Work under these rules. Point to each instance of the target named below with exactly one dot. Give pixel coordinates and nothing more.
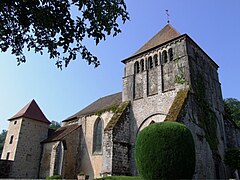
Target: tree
(54, 125)
(232, 110)
(50, 26)
(2, 140)
(232, 159)
(165, 151)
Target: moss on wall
(117, 115)
(108, 109)
(206, 116)
(177, 105)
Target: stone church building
(170, 78)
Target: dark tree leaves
(54, 125)
(2, 140)
(50, 26)
(232, 110)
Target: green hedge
(54, 177)
(165, 151)
(120, 178)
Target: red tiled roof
(164, 35)
(61, 133)
(31, 111)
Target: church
(170, 78)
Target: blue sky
(214, 25)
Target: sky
(213, 24)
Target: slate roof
(62, 132)
(31, 111)
(166, 34)
(100, 104)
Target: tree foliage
(165, 151)
(232, 110)
(58, 27)
(232, 158)
(54, 125)
(2, 140)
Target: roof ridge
(31, 111)
(167, 33)
(97, 105)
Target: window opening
(142, 65)
(164, 56)
(150, 62)
(170, 54)
(136, 67)
(155, 60)
(97, 136)
(11, 140)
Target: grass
(120, 178)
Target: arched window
(142, 65)
(155, 57)
(160, 58)
(164, 56)
(97, 136)
(150, 62)
(136, 67)
(170, 54)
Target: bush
(54, 177)
(165, 151)
(232, 158)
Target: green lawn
(120, 178)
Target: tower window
(170, 54)
(164, 56)
(97, 136)
(11, 140)
(155, 57)
(160, 58)
(150, 62)
(7, 157)
(142, 65)
(136, 67)
(15, 122)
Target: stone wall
(5, 168)
(121, 146)
(27, 135)
(13, 131)
(46, 165)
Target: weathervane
(168, 15)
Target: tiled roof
(164, 35)
(61, 133)
(100, 104)
(31, 111)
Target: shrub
(165, 151)
(232, 158)
(54, 177)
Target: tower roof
(166, 34)
(31, 111)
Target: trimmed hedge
(54, 177)
(165, 151)
(120, 178)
